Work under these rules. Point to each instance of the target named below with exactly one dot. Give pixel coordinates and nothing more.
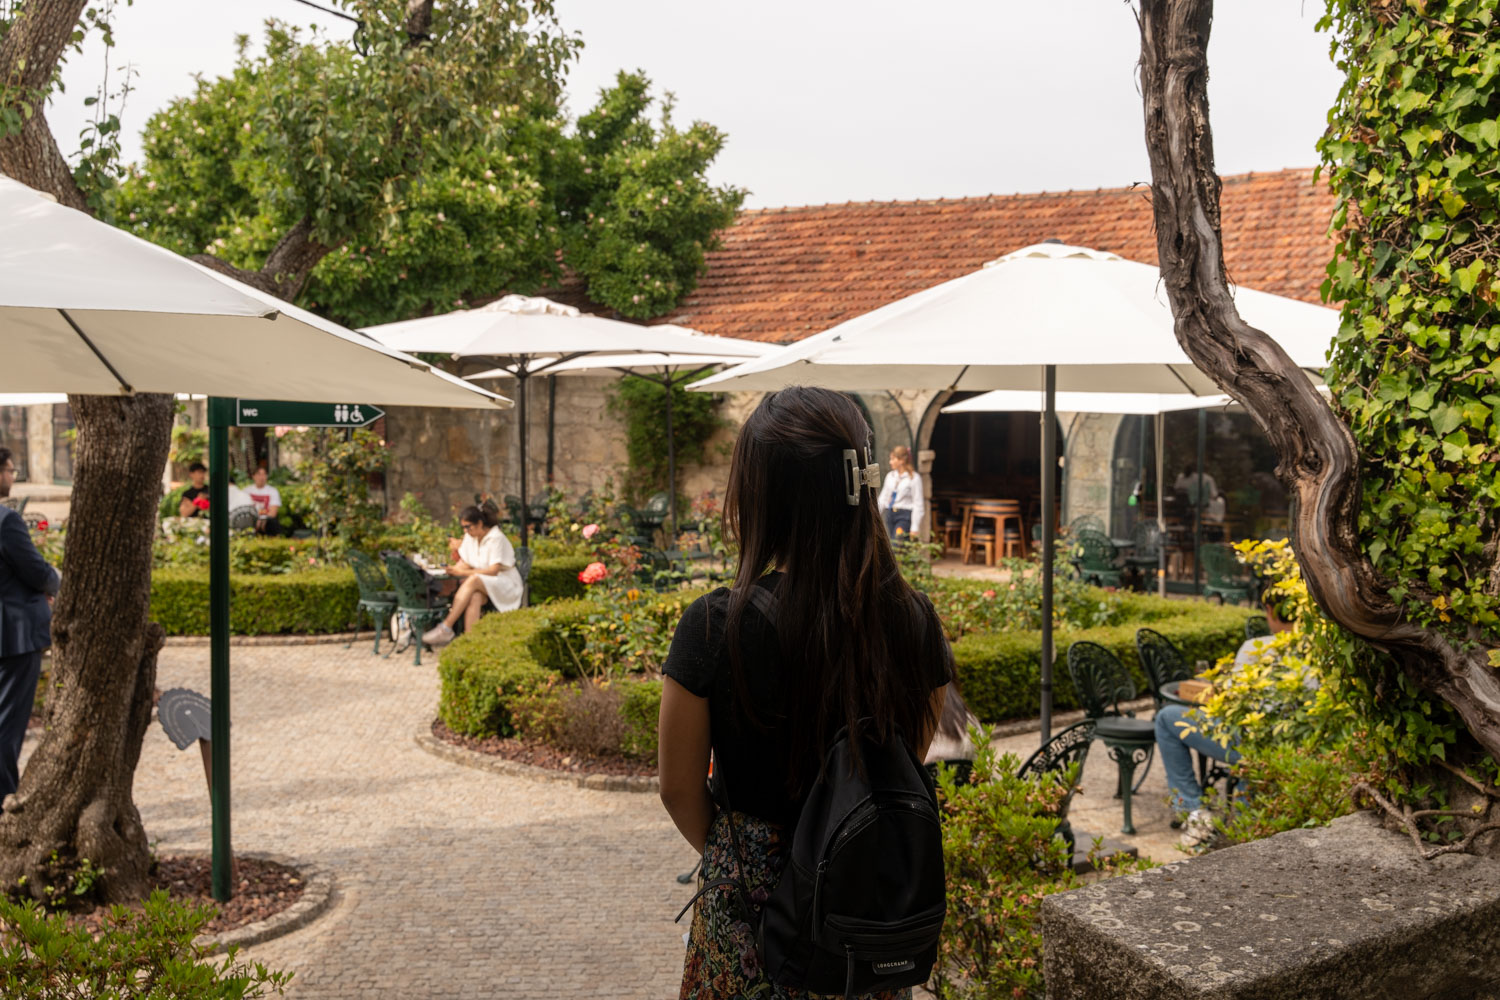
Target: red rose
(201, 503)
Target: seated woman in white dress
(485, 565)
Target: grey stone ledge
(316, 899)
(1345, 911)
(513, 769)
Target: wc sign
(281, 413)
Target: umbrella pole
(220, 416)
(1049, 473)
(668, 384)
(521, 376)
(1161, 512)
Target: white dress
(504, 588)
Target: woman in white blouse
(901, 500)
(485, 564)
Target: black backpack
(861, 903)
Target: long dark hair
(859, 645)
(479, 515)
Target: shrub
(1287, 788)
(172, 501)
(313, 602)
(138, 953)
(969, 606)
(1001, 857)
(486, 668)
(556, 578)
(999, 672)
(640, 707)
(581, 718)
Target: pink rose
(593, 573)
(590, 530)
(989, 594)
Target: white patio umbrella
(89, 309)
(522, 336)
(1048, 315)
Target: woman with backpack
(817, 677)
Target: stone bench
(1345, 911)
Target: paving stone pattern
(453, 882)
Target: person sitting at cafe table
(267, 501)
(1179, 732)
(190, 506)
(485, 563)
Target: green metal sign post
(223, 414)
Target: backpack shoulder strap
(764, 601)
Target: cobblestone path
(452, 882)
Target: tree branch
(287, 266)
(1318, 457)
(29, 54)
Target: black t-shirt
(754, 761)
(193, 493)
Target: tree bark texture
(75, 798)
(1318, 457)
(28, 56)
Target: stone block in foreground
(1345, 911)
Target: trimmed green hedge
(556, 579)
(317, 601)
(999, 672)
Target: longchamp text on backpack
(861, 903)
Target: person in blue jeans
(1179, 731)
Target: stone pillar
(1088, 466)
(39, 443)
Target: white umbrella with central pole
(1048, 315)
(89, 309)
(665, 370)
(525, 336)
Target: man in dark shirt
(27, 586)
(190, 505)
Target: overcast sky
(832, 100)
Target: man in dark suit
(27, 585)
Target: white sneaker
(439, 635)
(1197, 831)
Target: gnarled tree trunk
(1318, 458)
(74, 799)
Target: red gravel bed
(542, 755)
(265, 888)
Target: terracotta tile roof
(787, 273)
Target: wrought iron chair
(36, 521)
(1163, 663)
(1086, 522)
(1056, 756)
(1145, 549)
(1096, 559)
(242, 518)
(654, 514)
(374, 599)
(1225, 577)
(1256, 627)
(1102, 683)
(1161, 660)
(422, 611)
(524, 558)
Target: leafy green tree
(1394, 485)
(507, 195)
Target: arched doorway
(988, 454)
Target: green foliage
(640, 707)
(1001, 858)
(999, 672)
(140, 954)
(1413, 154)
(336, 479)
(1288, 787)
(643, 405)
(172, 501)
(556, 579)
(520, 652)
(316, 601)
(436, 174)
(968, 606)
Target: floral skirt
(722, 963)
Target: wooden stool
(1000, 514)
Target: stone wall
(1088, 451)
(445, 456)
